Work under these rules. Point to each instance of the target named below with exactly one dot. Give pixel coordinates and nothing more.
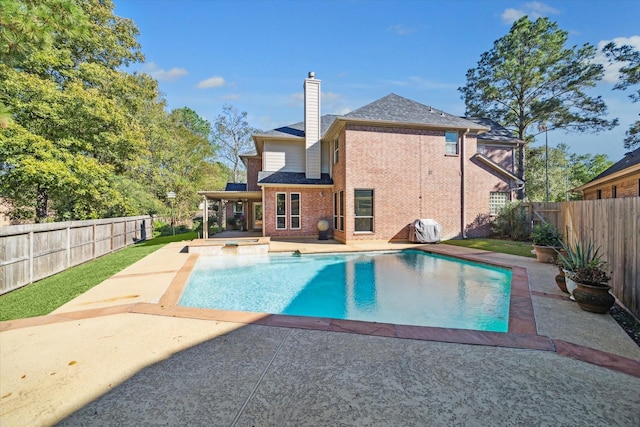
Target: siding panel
(283, 157)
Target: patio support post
(205, 217)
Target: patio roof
(231, 195)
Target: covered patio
(250, 203)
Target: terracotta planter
(594, 298)
(561, 281)
(545, 254)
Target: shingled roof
(297, 129)
(496, 133)
(630, 159)
(392, 108)
(395, 108)
(297, 178)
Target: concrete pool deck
(123, 354)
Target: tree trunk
(42, 200)
(520, 172)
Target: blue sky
(255, 54)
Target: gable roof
(496, 133)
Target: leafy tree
(566, 171)
(629, 76)
(74, 128)
(232, 136)
(530, 77)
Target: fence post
(31, 237)
(68, 248)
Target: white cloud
(162, 75)
(401, 30)
(232, 97)
(611, 70)
(215, 81)
(533, 10)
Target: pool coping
(522, 330)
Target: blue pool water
(408, 287)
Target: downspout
(463, 210)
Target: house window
(451, 142)
(363, 210)
(497, 200)
(295, 211)
(599, 194)
(281, 211)
(336, 146)
(338, 211)
(238, 210)
(614, 192)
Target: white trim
(291, 215)
(372, 216)
(285, 212)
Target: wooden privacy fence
(32, 252)
(611, 224)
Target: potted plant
(586, 269)
(232, 222)
(547, 240)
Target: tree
(566, 171)
(529, 77)
(629, 75)
(232, 135)
(72, 107)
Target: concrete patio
(124, 353)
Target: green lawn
(496, 245)
(44, 296)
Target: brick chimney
(312, 126)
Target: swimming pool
(408, 287)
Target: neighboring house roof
(395, 108)
(496, 133)
(630, 159)
(236, 186)
(630, 163)
(292, 178)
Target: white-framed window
(336, 149)
(294, 207)
(363, 210)
(497, 200)
(281, 211)
(338, 211)
(238, 210)
(451, 142)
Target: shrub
(546, 234)
(511, 222)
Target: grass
(46, 295)
(496, 245)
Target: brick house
(372, 172)
(622, 179)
